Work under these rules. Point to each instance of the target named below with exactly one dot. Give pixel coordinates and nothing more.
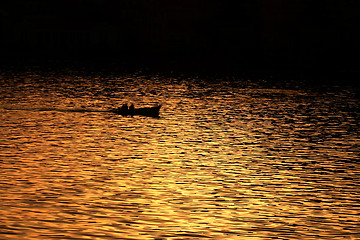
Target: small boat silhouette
(145, 111)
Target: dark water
(225, 160)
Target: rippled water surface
(225, 160)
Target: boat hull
(146, 111)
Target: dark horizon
(300, 34)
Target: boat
(145, 111)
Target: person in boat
(131, 109)
(124, 109)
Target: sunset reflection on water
(223, 161)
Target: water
(225, 160)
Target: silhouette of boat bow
(145, 111)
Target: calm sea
(226, 159)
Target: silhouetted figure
(131, 110)
(124, 109)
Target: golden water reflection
(222, 162)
